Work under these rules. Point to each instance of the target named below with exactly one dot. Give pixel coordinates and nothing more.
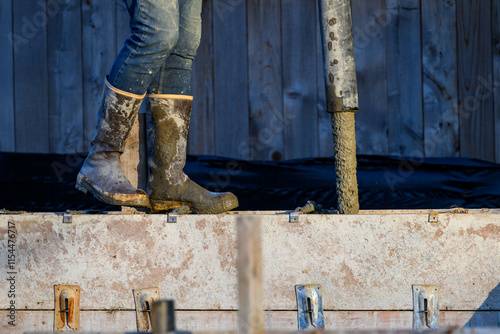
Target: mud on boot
(101, 174)
(169, 187)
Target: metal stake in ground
(250, 311)
(342, 97)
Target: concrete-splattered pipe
(342, 97)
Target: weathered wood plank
(496, 75)
(364, 262)
(440, 94)
(265, 79)
(99, 52)
(404, 78)
(385, 33)
(30, 77)
(477, 124)
(196, 321)
(122, 25)
(7, 47)
(202, 128)
(370, 52)
(134, 159)
(65, 78)
(299, 54)
(231, 79)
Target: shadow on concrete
(488, 314)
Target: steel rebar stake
(342, 97)
(163, 316)
(250, 291)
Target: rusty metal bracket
(433, 217)
(425, 306)
(294, 217)
(144, 299)
(172, 218)
(309, 307)
(67, 308)
(67, 218)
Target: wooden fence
(427, 71)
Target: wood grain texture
(258, 82)
(122, 22)
(231, 79)
(496, 75)
(134, 159)
(370, 51)
(30, 77)
(299, 53)
(265, 79)
(477, 126)
(7, 134)
(440, 87)
(65, 77)
(99, 52)
(404, 78)
(202, 128)
(196, 321)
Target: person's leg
(101, 173)
(175, 74)
(155, 32)
(169, 111)
(154, 25)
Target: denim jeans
(159, 55)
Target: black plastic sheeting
(45, 183)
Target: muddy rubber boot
(168, 124)
(101, 173)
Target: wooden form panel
(8, 45)
(201, 135)
(265, 82)
(404, 78)
(65, 99)
(370, 46)
(440, 91)
(31, 77)
(475, 79)
(365, 262)
(231, 127)
(300, 96)
(496, 69)
(420, 66)
(99, 51)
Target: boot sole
(134, 200)
(159, 206)
(228, 205)
(224, 206)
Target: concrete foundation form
(365, 263)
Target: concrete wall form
(365, 263)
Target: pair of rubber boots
(168, 123)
